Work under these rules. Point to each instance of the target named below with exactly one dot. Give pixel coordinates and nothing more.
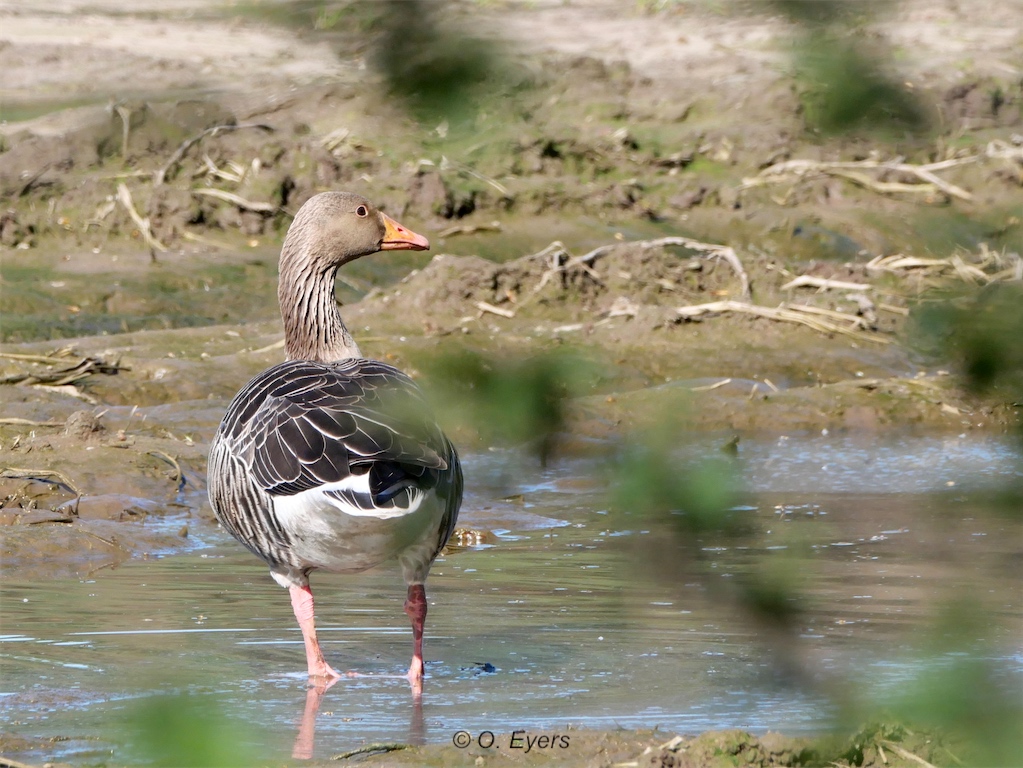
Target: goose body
(329, 460)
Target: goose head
(334, 228)
(329, 231)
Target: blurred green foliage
(825, 13)
(968, 698)
(188, 731)
(842, 73)
(692, 507)
(510, 401)
(649, 480)
(980, 332)
(313, 15)
(844, 89)
(436, 69)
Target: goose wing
(358, 432)
(303, 425)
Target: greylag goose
(329, 460)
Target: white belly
(330, 534)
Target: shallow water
(575, 629)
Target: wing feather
(301, 425)
(359, 430)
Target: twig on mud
(45, 475)
(179, 478)
(102, 211)
(179, 153)
(31, 180)
(127, 175)
(622, 307)
(71, 391)
(125, 114)
(710, 387)
(70, 375)
(16, 422)
(560, 260)
(886, 187)
(279, 344)
(236, 174)
(1002, 150)
(948, 752)
(553, 254)
(52, 359)
(783, 314)
(109, 542)
(712, 250)
(905, 754)
(578, 262)
(470, 229)
(899, 262)
(824, 284)
(555, 247)
(798, 170)
(673, 744)
(463, 168)
(853, 320)
(369, 749)
(483, 306)
(206, 241)
(894, 310)
(1009, 266)
(238, 200)
(335, 139)
(124, 198)
(967, 272)
(569, 328)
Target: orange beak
(398, 238)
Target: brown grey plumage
(330, 460)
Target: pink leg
(302, 602)
(415, 607)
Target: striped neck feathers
(313, 328)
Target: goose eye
(361, 211)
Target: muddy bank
(100, 487)
(88, 484)
(563, 132)
(872, 747)
(104, 439)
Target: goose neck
(313, 328)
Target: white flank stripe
(312, 503)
